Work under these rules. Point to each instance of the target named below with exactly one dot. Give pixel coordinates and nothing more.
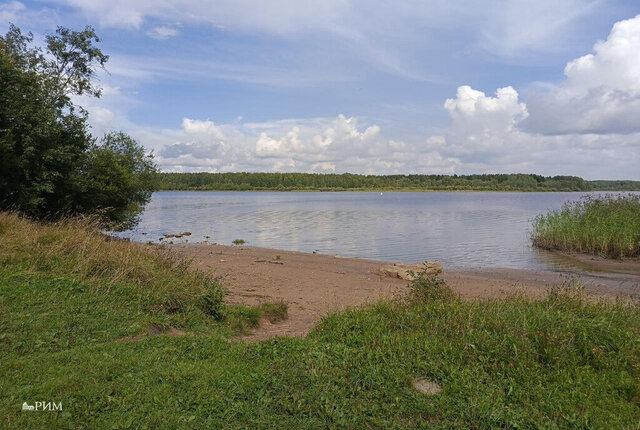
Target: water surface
(461, 229)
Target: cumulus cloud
(276, 145)
(268, 147)
(480, 123)
(338, 144)
(199, 140)
(586, 125)
(601, 92)
(485, 137)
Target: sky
(373, 87)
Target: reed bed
(607, 226)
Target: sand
(314, 285)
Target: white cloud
(480, 123)
(277, 16)
(323, 167)
(17, 13)
(337, 144)
(485, 137)
(516, 27)
(587, 126)
(601, 92)
(163, 32)
(388, 36)
(10, 12)
(205, 129)
(397, 145)
(268, 147)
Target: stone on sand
(410, 272)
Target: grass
(242, 319)
(606, 226)
(239, 242)
(564, 361)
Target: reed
(607, 226)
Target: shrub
(430, 288)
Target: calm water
(463, 230)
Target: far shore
(313, 285)
(399, 190)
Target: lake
(461, 229)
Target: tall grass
(77, 248)
(608, 226)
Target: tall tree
(49, 162)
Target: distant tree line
(50, 164)
(615, 185)
(348, 181)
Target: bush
(430, 288)
(117, 179)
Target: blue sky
(366, 86)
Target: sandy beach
(313, 285)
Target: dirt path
(313, 285)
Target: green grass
(242, 319)
(565, 361)
(607, 226)
(239, 242)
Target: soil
(314, 285)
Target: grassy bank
(608, 226)
(68, 303)
(121, 288)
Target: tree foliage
(348, 181)
(117, 177)
(50, 164)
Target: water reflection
(463, 230)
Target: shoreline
(314, 285)
(394, 190)
(596, 265)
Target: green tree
(50, 165)
(68, 65)
(116, 180)
(42, 141)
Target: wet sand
(313, 285)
